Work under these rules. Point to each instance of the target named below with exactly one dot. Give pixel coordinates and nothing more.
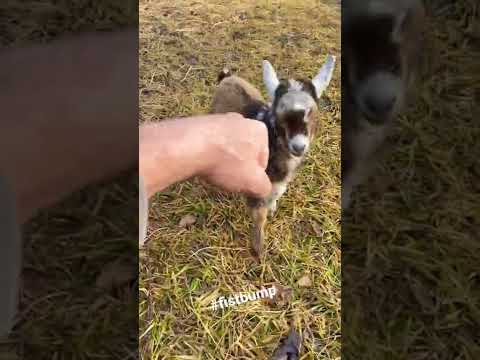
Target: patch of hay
(183, 46)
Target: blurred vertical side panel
(69, 179)
(410, 179)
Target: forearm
(172, 151)
(69, 118)
(227, 150)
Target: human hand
(227, 150)
(237, 155)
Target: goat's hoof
(257, 251)
(257, 257)
(257, 248)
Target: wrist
(210, 144)
(173, 150)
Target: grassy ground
(410, 250)
(183, 46)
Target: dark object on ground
(289, 348)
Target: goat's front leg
(278, 189)
(258, 211)
(259, 216)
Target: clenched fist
(227, 150)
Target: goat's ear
(270, 79)
(322, 79)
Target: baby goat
(291, 122)
(381, 45)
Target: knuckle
(234, 115)
(261, 127)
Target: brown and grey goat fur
(381, 46)
(291, 120)
(235, 94)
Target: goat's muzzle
(298, 145)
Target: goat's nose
(298, 148)
(380, 105)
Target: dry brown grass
(184, 44)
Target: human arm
(225, 149)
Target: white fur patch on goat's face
(295, 85)
(296, 101)
(299, 144)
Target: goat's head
(295, 103)
(375, 55)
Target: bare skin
(69, 119)
(225, 149)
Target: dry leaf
(187, 220)
(304, 281)
(317, 229)
(283, 295)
